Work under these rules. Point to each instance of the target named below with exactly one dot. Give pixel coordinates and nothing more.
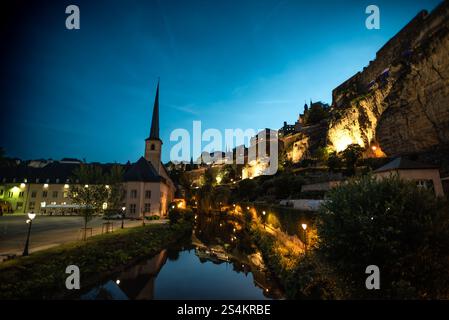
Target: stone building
(148, 187)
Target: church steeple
(153, 144)
(154, 132)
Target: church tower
(153, 144)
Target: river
(219, 261)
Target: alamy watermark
(229, 149)
(73, 20)
(373, 20)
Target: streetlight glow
(22, 185)
(304, 226)
(31, 216)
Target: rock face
(400, 102)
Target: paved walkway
(48, 231)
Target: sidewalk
(48, 232)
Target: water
(218, 262)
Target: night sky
(89, 93)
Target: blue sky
(229, 63)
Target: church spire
(154, 132)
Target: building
(425, 176)
(43, 186)
(148, 187)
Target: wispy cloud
(188, 108)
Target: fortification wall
(420, 28)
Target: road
(48, 231)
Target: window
(147, 207)
(21, 194)
(10, 194)
(55, 194)
(133, 194)
(152, 147)
(1, 192)
(66, 194)
(44, 194)
(132, 208)
(425, 184)
(33, 194)
(148, 194)
(31, 206)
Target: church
(43, 186)
(148, 187)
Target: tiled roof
(142, 171)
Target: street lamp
(304, 227)
(31, 217)
(123, 215)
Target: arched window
(152, 147)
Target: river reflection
(218, 262)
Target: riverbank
(42, 274)
(303, 276)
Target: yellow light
(105, 206)
(107, 186)
(263, 212)
(247, 208)
(66, 186)
(304, 226)
(374, 148)
(22, 185)
(46, 185)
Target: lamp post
(304, 227)
(31, 217)
(123, 215)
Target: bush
(153, 217)
(394, 225)
(174, 215)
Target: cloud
(188, 108)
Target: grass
(42, 274)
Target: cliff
(400, 101)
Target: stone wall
(406, 111)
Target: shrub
(153, 217)
(394, 225)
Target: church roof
(404, 164)
(142, 171)
(154, 132)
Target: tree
(334, 162)
(116, 190)
(394, 225)
(315, 114)
(322, 154)
(352, 155)
(90, 191)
